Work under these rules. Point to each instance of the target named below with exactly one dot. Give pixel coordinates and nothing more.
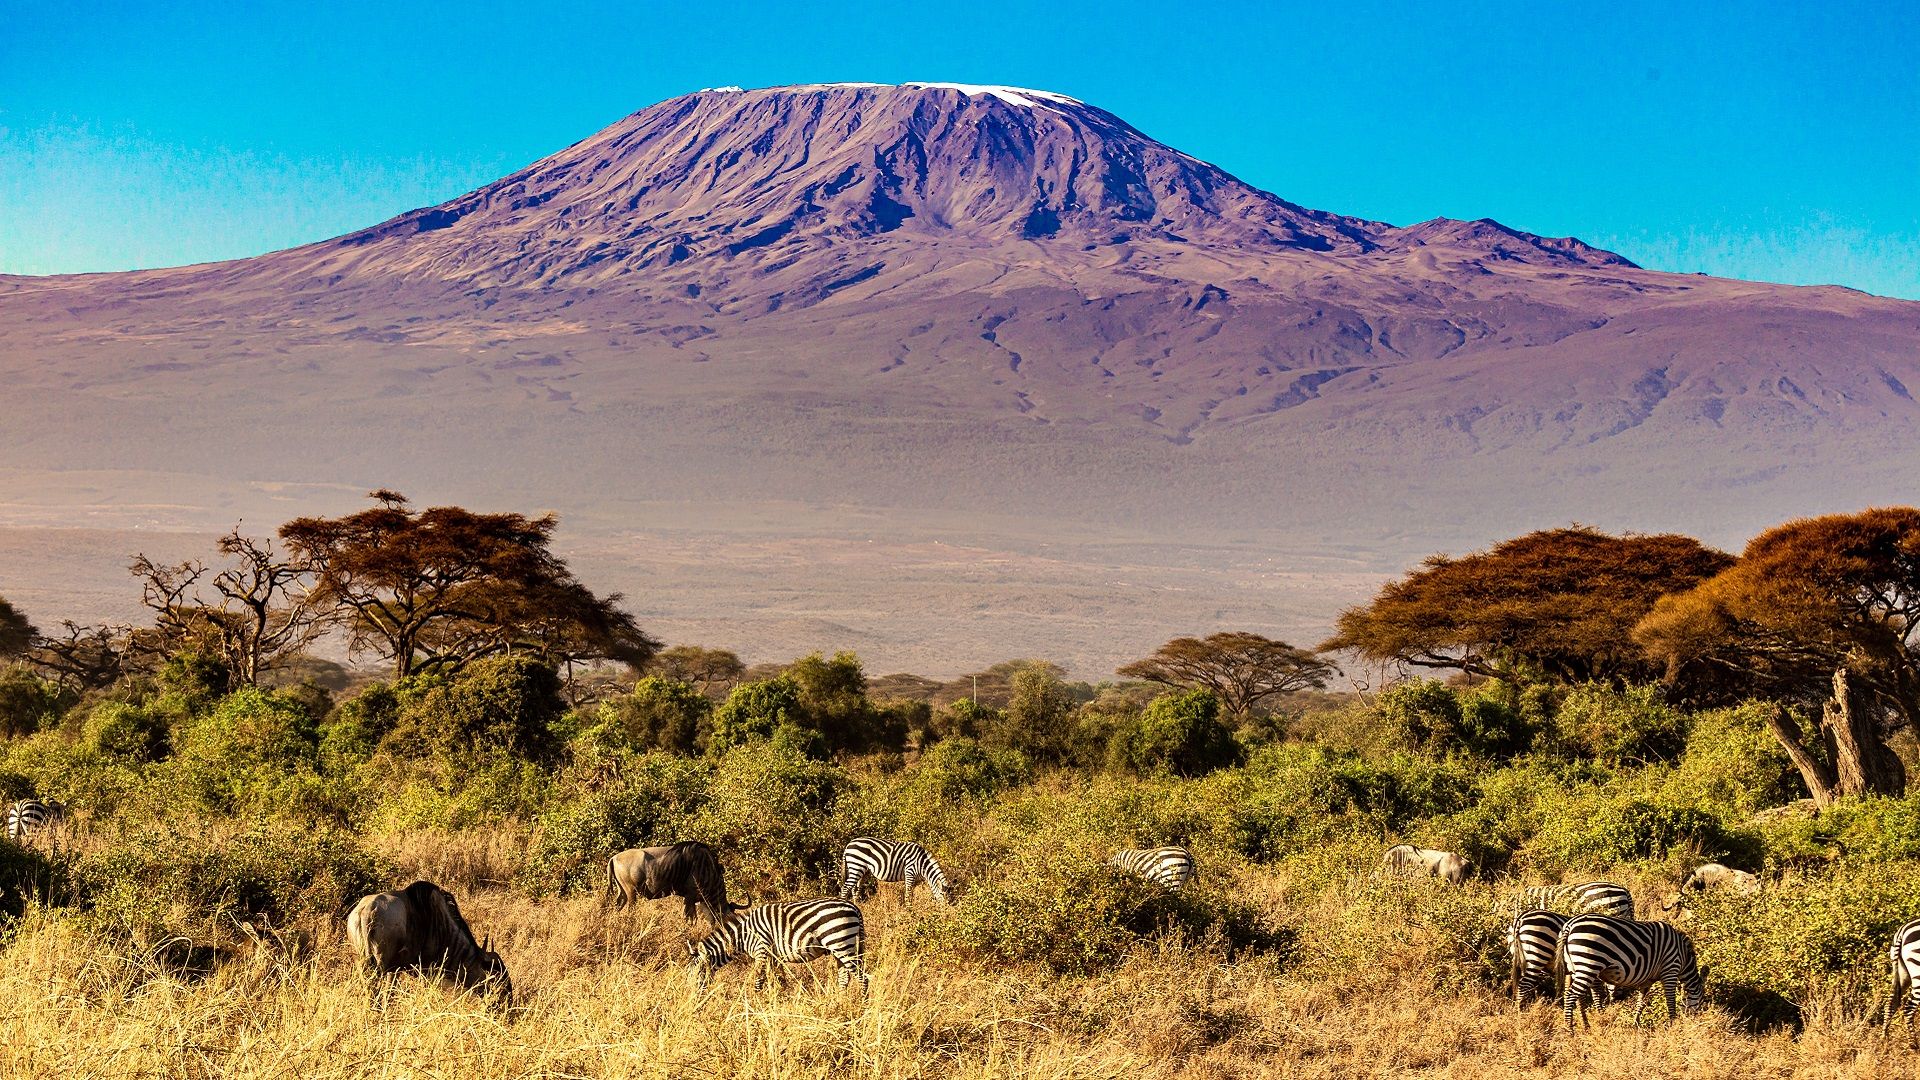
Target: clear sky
(1775, 141)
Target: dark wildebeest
(420, 929)
(688, 869)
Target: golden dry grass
(607, 995)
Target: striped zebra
(1585, 898)
(870, 861)
(792, 932)
(35, 817)
(1905, 955)
(1631, 955)
(1167, 867)
(1532, 943)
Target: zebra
(1585, 898)
(33, 817)
(793, 932)
(1167, 867)
(1532, 943)
(1631, 955)
(869, 860)
(1905, 955)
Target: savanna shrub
(770, 808)
(1177, 733)
(28, 702)
(660, 714)
(1808, 938)
(1038, 719)
(131, 733)
(28, 873)
(1865, 830)
(502, 705)
(247, 750)
(960, 771)
(1734, 765)
(1631, 727)
(1599, 828)
(833, 702)
(159, 881)
(651, 804)
(754, 711)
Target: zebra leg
(1672, 987)
(850, 884)
(1574, 997)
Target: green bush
(1808, 938)
(1177, 733)
(251, 752)
(660, 714)
(1630, 727)
(1733, 765)
(503, 705)
(754, 711)
(1600, 828)
(28, 702)
(155, 882)
(129, 733)
(1038, 720)
(960, 772)
(770, 810)
(651, 804)
(833, 701)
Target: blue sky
(1771, 141)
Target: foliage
(714, 671)
(1620, 727)
(16, 633)
(649, 805)
(1563, 601)
(29, 701)
(769, 807)
(754, 711)
(1807, 939)
(660, 714)
(1177, 733)
(502, 705)
(1038, 720)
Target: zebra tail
(1902, 988)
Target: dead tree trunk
(1863, 763)
(1850, 756)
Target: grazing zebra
(1167, 867)
(1905, 955)
(792, 932)
(1532, 941)
(869, 860)
(33, 817)
(1631, 955)
(1586, 898)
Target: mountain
(838, 330)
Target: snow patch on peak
(1012, 95)
(722, 90)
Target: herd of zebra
(1580, 942)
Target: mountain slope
(924, 311)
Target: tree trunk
(1816, 772)
(1863, 764)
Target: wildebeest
(1405, 860)
(420, 929)
(688, 869)
(1715, 876)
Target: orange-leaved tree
(1824, 611)
(1561, 601)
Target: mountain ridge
(942, 314)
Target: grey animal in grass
(867, 860)
(791, 932)
(420, 929)
(688, 869)
(1629, 955)
(1715, 876)
(1405, 860)
(1167, 867)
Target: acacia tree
(438, 588)
(83, 658)
(1562, 601)
(1823, 611)
(714, 671)
(1241, 669)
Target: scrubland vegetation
(189, 925)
